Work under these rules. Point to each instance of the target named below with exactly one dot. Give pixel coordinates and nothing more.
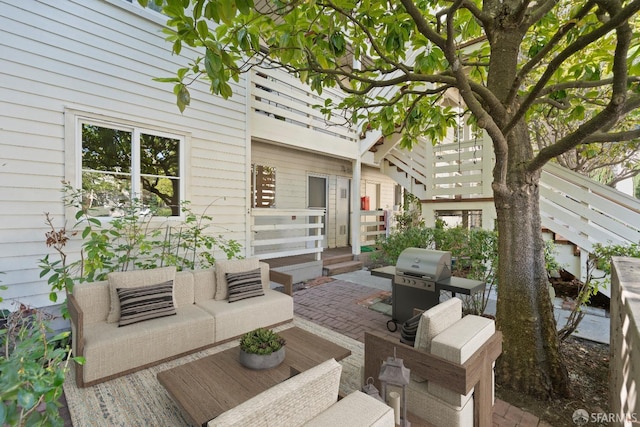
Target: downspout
(355, 207)
(247, 136)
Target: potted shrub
(261, 349)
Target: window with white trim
(124, 164)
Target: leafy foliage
(33, 364)
(261, 341)
(474, 253)
(131, 241)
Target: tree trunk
(531, 361)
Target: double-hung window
(123, 166)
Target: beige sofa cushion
(289, 403)
(110, 350)
(435, 320)
(355, 410)
(231, 266)
(134, 279)
(234, 319)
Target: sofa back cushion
(133, 279)
(232, 266)
(93, 298)
(183, 288)
(435, 320)
(290, 403)
(204, 283)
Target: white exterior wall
(294, 166)
(97, 58)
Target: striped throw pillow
(244, 285)
(145, 303)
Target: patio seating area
(340, 305)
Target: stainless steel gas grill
(414, 284)
(420, 275)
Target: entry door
(317, 186)
(342, 212)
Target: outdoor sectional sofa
(115, 342)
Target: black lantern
(395, 374)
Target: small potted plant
(261, 349)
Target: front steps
(340, 264)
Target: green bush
(474, 253)
(33, 364)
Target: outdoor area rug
(138, 399)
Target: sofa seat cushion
(440, 413)
(110, 349)
(457, 344)
(356, 409)
(234, 319)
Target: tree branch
(575, 47)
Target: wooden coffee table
(207, 387)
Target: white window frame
(74, 155)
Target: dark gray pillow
(247, 284)
(145, 303)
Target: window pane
(160, 172)
(106, 168)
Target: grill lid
(424, 263)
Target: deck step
(337, 259)
(341, 267)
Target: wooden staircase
(339, 264)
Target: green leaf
(183, 98)
(26, 399)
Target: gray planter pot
(262, 361)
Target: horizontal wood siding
(98, 57)
(293, 167)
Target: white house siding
(294, 166)
(98, 57)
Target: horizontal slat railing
(283, 97)
(279, 233)
(372, 226)
(587, 212)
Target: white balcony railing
(285, 110)
(280, 233)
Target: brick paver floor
(340, 306)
